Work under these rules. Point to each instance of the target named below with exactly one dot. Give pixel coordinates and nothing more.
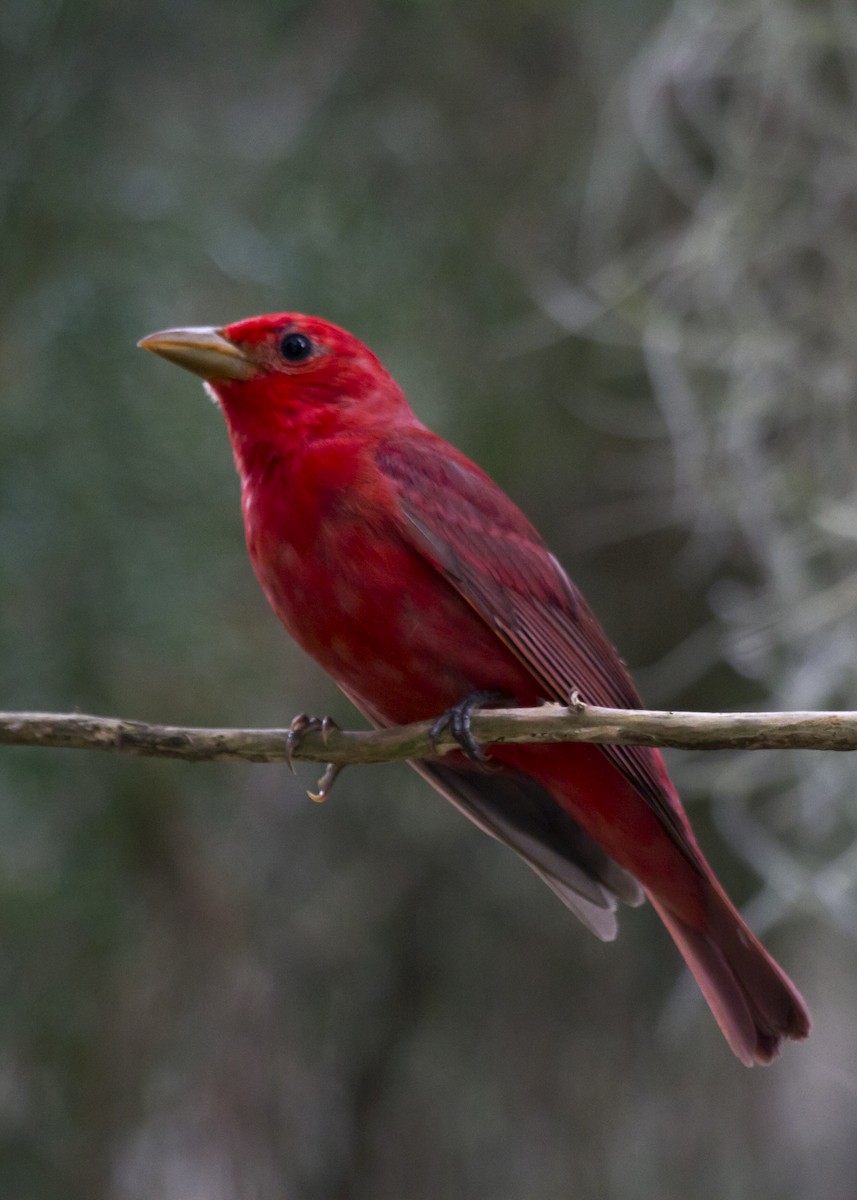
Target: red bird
(420, 588)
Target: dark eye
(296, 347)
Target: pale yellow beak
(203, 350)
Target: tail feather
(753, 1001)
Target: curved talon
(576, 701)
(302, 724)
(297, 728)
(331, 773)
(457, 718)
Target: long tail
(753, 1000)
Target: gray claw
(457, 719)
(301, 725)
(331, 774)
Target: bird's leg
(457, 720)
(302, 724)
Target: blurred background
(611, 252)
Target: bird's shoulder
(444, 481)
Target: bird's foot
(298, 729)
(303, 724)
(457, 720)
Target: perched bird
(418, 585)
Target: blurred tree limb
(550, 723)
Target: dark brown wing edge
(518, 811)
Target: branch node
(576, 703)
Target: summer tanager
(417, 584)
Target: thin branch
(550, 723)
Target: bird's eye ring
(296, 348)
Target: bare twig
(550, 723)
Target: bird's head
(285, 371)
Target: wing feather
(516, 810)
(467, 527)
